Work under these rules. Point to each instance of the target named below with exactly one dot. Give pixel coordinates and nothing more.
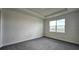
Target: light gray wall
(18, 26)
(72, 28)
(0, 30)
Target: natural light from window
(52, 26)
(57, 25)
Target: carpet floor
(42, 44)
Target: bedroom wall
(72, 28)
(0, 30)
(19, 26)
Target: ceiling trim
(61, 13)
(63, 10)
(28, 12)
(32, 13)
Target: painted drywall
(18, 27)
(72, 28)
(0, 30)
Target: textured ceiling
(45, 11)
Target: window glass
(52, 25)
(61, 25)
(57, 25)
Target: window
(52, 26)
(57, 26)
(61, 25)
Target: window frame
(56, 25)
(49, 26)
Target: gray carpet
(42, 44)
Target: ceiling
(46, 11)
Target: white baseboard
(65, 40)
(18, 41)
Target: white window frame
(56, 26)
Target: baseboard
(62, 40)
(35, 38)
(19, 42)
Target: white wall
(72, 28)
(18, 26)
(0, 30)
